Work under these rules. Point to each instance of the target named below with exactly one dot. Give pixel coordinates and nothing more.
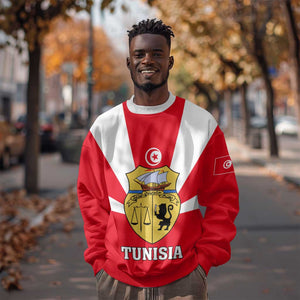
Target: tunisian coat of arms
(152, 204)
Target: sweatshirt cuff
(204, 263)
(98, 265)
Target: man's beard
(148, 87)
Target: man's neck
(154, 97)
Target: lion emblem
(162, 215)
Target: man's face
(149, 61)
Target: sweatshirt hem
(149, 280)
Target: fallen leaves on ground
(11, 281)
(22, 220)
(52, 261)
(247, 260)
(297, 212)
(266, 291)
(55, 283)
(69, 226)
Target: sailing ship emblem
(152, 204)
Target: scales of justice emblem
(152, 204)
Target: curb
(292, 180)
(289, 179)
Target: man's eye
(139, 55)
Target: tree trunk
(228, 112)
(295, 85)
(294, 48)
(245, 113)
(217, 113)
(273, 145)
(32, 147)
(201, 89)
(259, 54)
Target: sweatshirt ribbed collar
(141, 109)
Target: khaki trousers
(190, 287)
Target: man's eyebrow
(143, 50)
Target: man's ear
(171, 62)
(128, 62)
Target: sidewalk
(55, 176)
(286, 167)
(55, 267)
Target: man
(146, 167)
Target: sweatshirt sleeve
(219, 194)
(93, 201)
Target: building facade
(13, 81)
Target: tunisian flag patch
(223, 165)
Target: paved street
(55, 176)
(265, 254)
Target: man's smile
(148, 71)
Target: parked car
(47, 131)
(12, 144)
(258, 122)
(286, 125)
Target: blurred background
(62, 63)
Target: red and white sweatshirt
(144, 173)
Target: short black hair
(152, 26)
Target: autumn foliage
(34, 17)
(225, 45)
(68, 42)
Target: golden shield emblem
(152, 204)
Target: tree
(217, 58)
(68, 41)
(29, 21)
(253, 18)
(229, 47)
(294, 50)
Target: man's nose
(147, 58)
